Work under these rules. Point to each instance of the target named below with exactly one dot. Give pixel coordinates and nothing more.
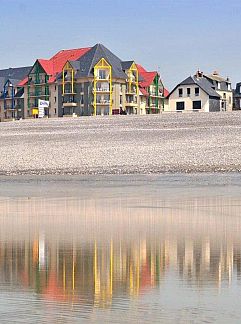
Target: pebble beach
(151, 144)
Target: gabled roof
(93, 56)
(55, 64)
(148, 78)
(140, 68)
(144, 92)
(202, 82)
(126, 65)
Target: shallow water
(146, 249)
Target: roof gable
(202, 82)
(93, 56)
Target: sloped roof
(148, 78)
(166, 92)
(126, 65)
(55, 64)
(15, 73)
(20, 93)
(144, 92)
(202, 82)
(140, 68)
(93, 56)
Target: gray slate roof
(126, 65)
(93, 56)
(15, 73)
(203, 83)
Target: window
(180, 105)
(229, 87)
(55, 111)
(55, 99)
(218, 85)
(81, 99)
(196, 92)
(55, 88)
(180, 91)
(240, 89)
(197, 104)
(188, 92)
(230, 100)
(224, 95)
(81, 87)
(102, 74)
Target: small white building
(194, 94)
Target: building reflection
(125, 254)
(96, 273)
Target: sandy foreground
(197, 142)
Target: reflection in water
(96, 273)
(96, 252)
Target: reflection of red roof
(53, 291)
(145, 277)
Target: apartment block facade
(80, 82)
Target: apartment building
(12, 93)
(80, 82)
(152, 92)
(40, 83)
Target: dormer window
(229, 86)
(239, 89)
(218, 85)
(102, 74)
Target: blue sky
(176, 36)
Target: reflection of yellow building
(100, 272)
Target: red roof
(144, 92)
(23, 82)
(148, 78)
(56, 63)
(166, 92)
(140, 68)
(58, 60)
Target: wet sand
(198, 142)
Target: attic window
(218, 85)
(196, 92)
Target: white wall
(174, 98)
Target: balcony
(39, 94)
(107, 90)
(131, 104)
(103, 102)
(68, 92)
(9, 107)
